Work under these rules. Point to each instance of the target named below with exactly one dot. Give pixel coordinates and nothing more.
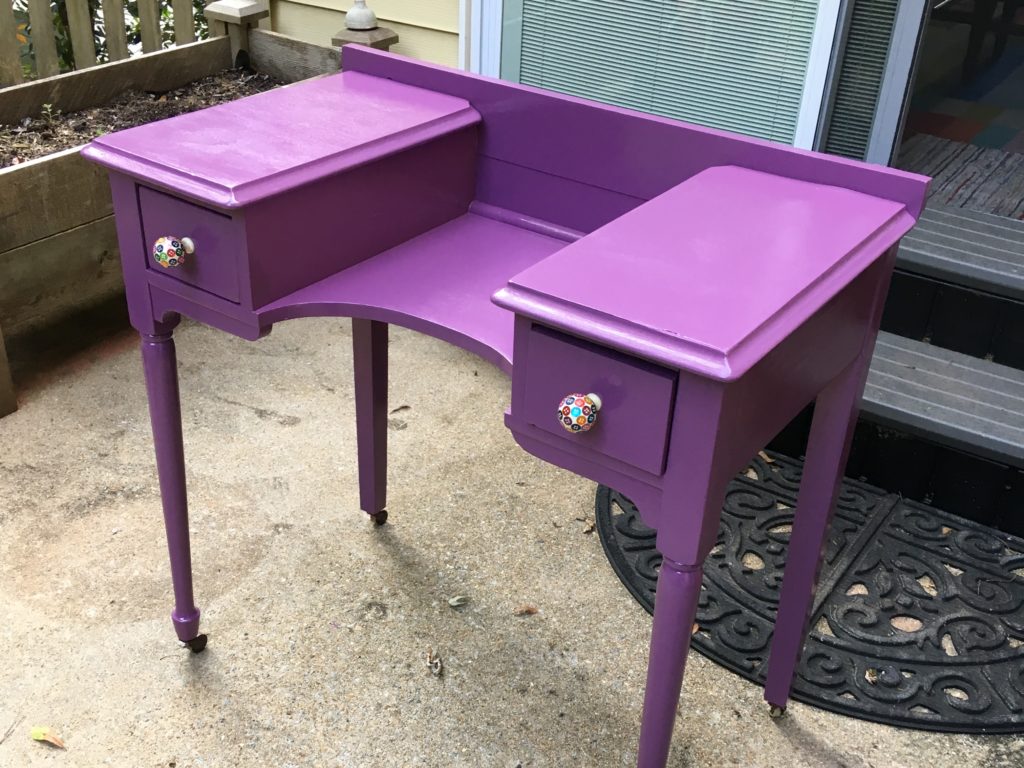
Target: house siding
(427, 29)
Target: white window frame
(480, 52)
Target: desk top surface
(242, 151)
(714, 272)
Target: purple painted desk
(705, 287)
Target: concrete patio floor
(319, 624)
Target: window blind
(721, 63)
(859, 82)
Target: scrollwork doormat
(919, 617)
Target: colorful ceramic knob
(577, 412)
(170, 251)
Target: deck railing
(41, 38)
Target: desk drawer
(636, 397)
(219, 243)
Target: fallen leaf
(525, 610)
(458, 601)
(434, 663)
(45, 733)
(751, 473)
(871, 675)
(695, 629)
(589, 527)
(768, 459)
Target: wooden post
(237, 16)
(44, 45)
(113, 24)
(381, 38)
(184, 23)
(8, 402)
(149, 25)
(82, 43)
(10, 58)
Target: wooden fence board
(161, 71)
(52, 278)
(149, 25)
(49, 195)
(113, 25)
(290, 59)
(184, 24)
(44, 46)
(82, 43)
(10, 51)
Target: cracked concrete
(320, 624)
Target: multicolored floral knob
(170, 251)
(578, 412)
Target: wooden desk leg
(835, 416)
(674, 610)
(692, 500)
(160, 365)
(370, 360)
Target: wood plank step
(953, 399)
(976, 250)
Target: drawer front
(218, 242)
(636, 397)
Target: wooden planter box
(58, 247)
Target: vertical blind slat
(44, 46)
(149, 25)
(82, 43)
(10, 50)
(113, 23)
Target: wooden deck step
(974, 250)
(949, 398)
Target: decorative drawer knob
(578, 412)
(170, 251)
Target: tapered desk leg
(370, 356)
(828, 447)
(674, 610)
(835, 415)
(160, 364)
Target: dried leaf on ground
(47, 734)
(751, 473)
(768, 459)
(458, 601)
(589, 527)
(434, 663)
(695, 629)
(525, 610)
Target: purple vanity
(665, 297)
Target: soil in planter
(54, 131)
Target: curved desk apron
(699, 287)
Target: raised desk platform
(649, 346)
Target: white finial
(359, 17)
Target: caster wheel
(379, 518)
(775, 712)
(197, 644)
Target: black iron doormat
(919, 618)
